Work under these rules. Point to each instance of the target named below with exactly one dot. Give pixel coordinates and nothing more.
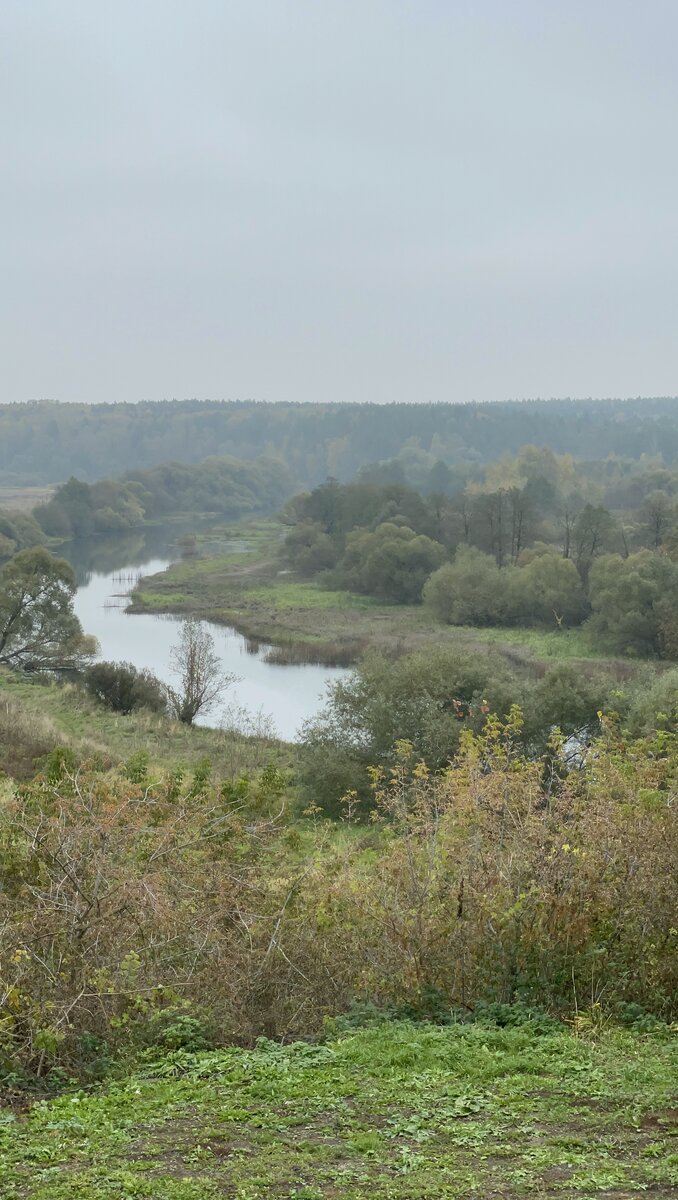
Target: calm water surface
(107, 569)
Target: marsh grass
(326, 654)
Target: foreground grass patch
(395, 1111)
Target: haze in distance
(379, 201)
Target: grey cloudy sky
(338, 199)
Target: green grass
(250, 589)
(284, 594)
(542, 643)
(47, 714)
(391, 1112)
(306, 594)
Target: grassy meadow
(250, 589)
(24, 499)
(392, 1111)
(37, 716)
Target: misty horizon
(338, 203)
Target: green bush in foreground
(124, 688)
(137, 911)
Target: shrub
(472, 590)
(135, 914)
(124, 688)
(632, 602)
(487, 889)
(392, 562)
(547, 591)
(427, 698)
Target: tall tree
(201, 678)
(38, 629)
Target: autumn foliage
(176, 911)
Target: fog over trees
(49, 442)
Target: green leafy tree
(392, 563)
(39, 630)
(657, 514)
(627, 596)
(427, 698)
(18, 531)
(309, 549)
(547, 591)
(472, 590)
(592, 536)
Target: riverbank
(36, 717)
(251, 590)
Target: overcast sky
(338, 199)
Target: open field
(390, 1112)
(23, 499)
(36, 717)
(251, 590)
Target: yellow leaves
(403, 751)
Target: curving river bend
(107, 568)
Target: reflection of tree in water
(111, 552)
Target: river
(265, 697)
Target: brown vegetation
(129, 904)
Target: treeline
(532, 540)
(18, 531)
(225, 486)
(49, 442)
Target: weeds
(391, 1112)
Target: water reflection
(107, 568)
(130, 549)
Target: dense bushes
(135, 910)
(469, 591)
(18, 531)
(545, 590)
(123, 688)
(490, 887)
(430, 698)
(635, 610)
(391, 563)
(119, 900)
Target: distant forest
(47, 442)
(224, 486)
